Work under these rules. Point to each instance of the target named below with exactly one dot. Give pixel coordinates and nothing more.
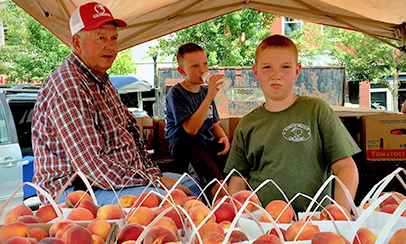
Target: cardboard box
(160, 144)
(384, 137)
(111, 238)
(145, 125)
(229, 125)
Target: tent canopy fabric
(150, 19)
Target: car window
(3, 128)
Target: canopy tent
(129, 83)
(150, 19)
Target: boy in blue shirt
(192, 123)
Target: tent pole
(403, 35)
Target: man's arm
(346, 170)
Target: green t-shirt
(294, 147)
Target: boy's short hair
(275, 41)
(186, 48)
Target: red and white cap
(91, 16)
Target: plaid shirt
(80, 124)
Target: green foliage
(123, 65)
(31, 52)
(229, 40)
(364, 57)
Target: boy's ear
(181, 71)
(254, 69)
(298, 69)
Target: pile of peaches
(177, 218)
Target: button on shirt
(80, 124)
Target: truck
(16, 156)
(244, 94)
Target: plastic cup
(226, 81)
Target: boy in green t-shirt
(296, 141)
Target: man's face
(193, 66)
(276, 70)
(98, 48)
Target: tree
(229, 40)
(123, 65)
(31, 52)
(364, 57)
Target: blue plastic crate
(28, 173)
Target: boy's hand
(226, 145)
(213, 86)
(169, 182)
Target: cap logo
(99, 9)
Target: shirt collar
(73, 58)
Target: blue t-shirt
(180, 105)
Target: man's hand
(169, 182)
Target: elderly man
(80, 124)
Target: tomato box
(384, 137)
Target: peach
(110, 212)
(390, 208)
(147, 199)
(335, 213)
(17, 240)
(52, 240)
(225, 224)
(168, 223)
(14, 229)
(77, 235)
(177, 197)
(127, 201)
(80, 214)
(199, 213)
(29, 219)
(225, 211)
(97, 239)
(47, 213)
(213, 238)
(366, 205)
(209, 227)
(128, 242)
(280, 211)
(395, 237)
(192, 203)
(267, 239)
(74, 198)
(38, 234)
(141, 215)
(242, 196)
(274, 232)
(393, 199)
(237, 236)
(89, 205)
(365, 235)
(130, 232)
(60, 226)
(160, 235)
(100, 227)
(175, 214)
(17, 211)
(264, 218)
(192, 198)
(328, 237)
(304, 234)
